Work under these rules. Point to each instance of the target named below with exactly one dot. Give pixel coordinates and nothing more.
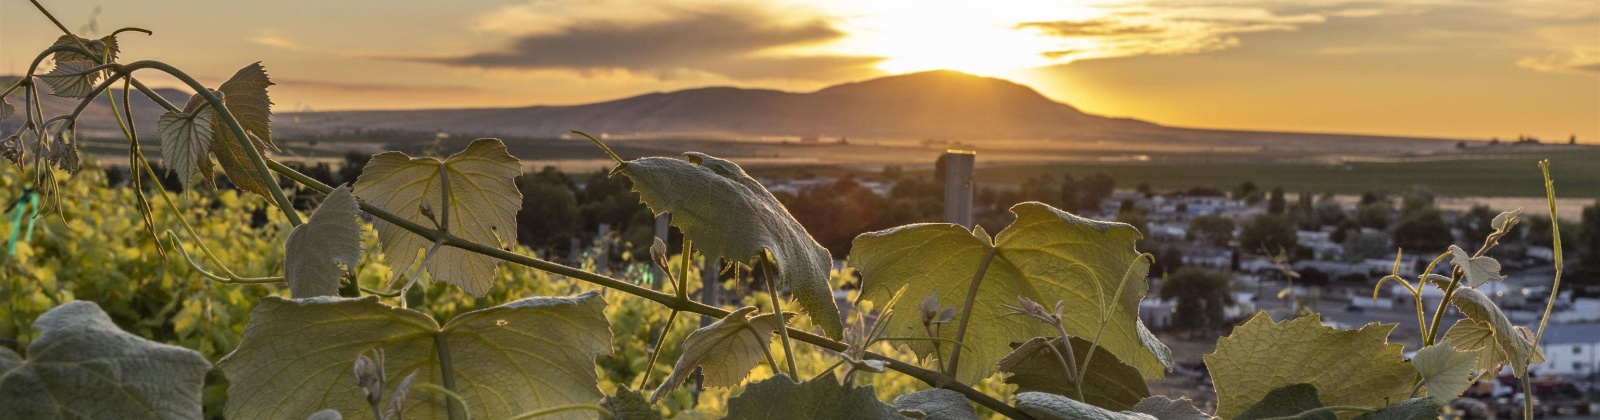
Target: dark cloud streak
(728, 43)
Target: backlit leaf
(936, 404)
(1107, 383)
(1446, 371)
(83, 367)
(186, 140)
(780, 398)
(1515, 341)
(100, 46)
(1047, 256)
(1477, 338)
(1412, 409)
(295, 355)
(483, 207)
(1262, 355)
(71, 79)
(728, 214)
(725, 351)
(315, 250)
(1479, 270)
(245, 96)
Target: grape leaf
(1047, 255)
(726, 350)
(312, 255)
(1412, 409)
(1164, 408)
(326, 414)
(483, 207)
(70, 80)
(96, 46)
(1288, 401)
(629, 404)
(728, 214)
(1262, 355)
(780, 398)
(1478, 270)
(245, 96)
(1445, 370)
(1478, 338)
(186, 140)
(294, 357)
(1514, 341)
(1107, 383)
(83, 367)
(1047, 406)
(936, 404)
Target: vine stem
(777, 309)
(966, 307)
(447, 376)
(1555, 232)
(929, 377)
(560, 408)
(656, 352)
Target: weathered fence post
(958, 186)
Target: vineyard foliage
(403, 296)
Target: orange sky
(1450, 68)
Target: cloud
(277, 42)
(1091, 27)
(360, 87)
(732, 43)
(1579, 61)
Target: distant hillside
(935, 104)
(942, 105)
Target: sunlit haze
(1438, 68)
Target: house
(1569, 350)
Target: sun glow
(972, 37)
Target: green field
(1577, 174)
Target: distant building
(1569, 350)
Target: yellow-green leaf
(729, 214)
(1262, 355)
(1047, 255)
(295, 356)
(1478, 270)
(1446, 371)
(315, 250)
(483, 207)
(1477, 338)
(725, 351)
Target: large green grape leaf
(1047, 255)
(186, 140)
(83, 367)
(315, 250)
(936, 404)
(1347, 367)
(728, 214)
(245, 96)
(725, 351)
(295, 356)
(1446, 371)
(1289, 401)
(780, 398)
(483, 207)
(1107, 382)
(71, 79)
(1477, 270)
(1514, 341)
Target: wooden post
(958, 186)
(663, 223)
